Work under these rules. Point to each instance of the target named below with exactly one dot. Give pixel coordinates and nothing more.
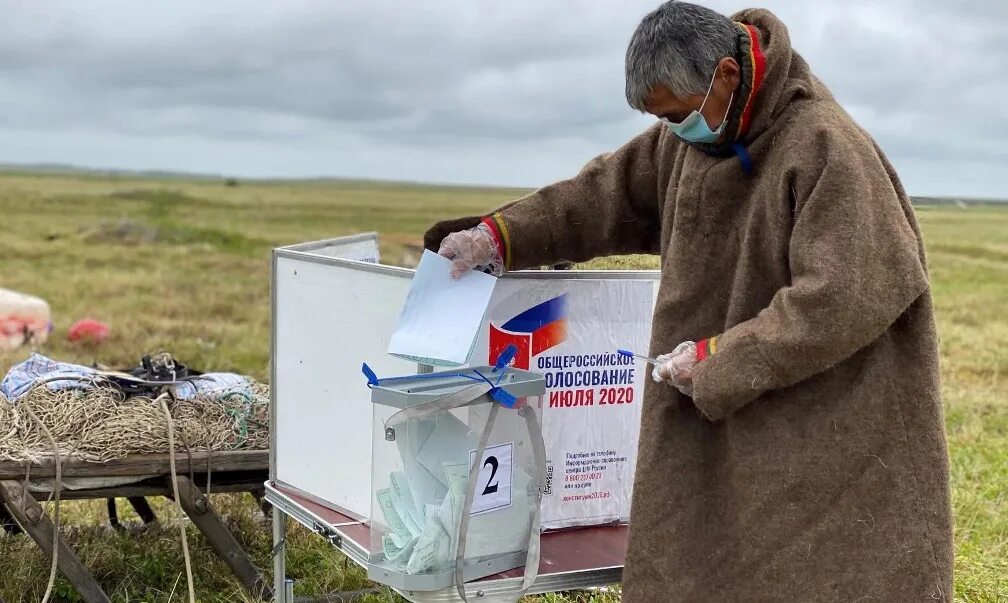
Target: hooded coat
(810, 464)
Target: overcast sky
(522, 92)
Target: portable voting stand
(333, 306)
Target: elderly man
(792, 445)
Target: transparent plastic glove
(676, 368)
(472, 249)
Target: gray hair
(678, 45)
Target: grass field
(183, 266)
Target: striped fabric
(705, 348)
(501, 236)
(758, 62)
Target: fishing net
(101, 423)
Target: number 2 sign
(493, 484)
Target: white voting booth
(335, 307)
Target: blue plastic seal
(506, 357)
(503, 397)
(372, 378)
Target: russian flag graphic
(533, 331)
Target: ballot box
(458, 467)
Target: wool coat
(810, 463)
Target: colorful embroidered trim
(706, 348)
(496, 223)
(492, 226)
(758, 62)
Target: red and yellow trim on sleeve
(705, 348)
(501, 237)
(758, 61)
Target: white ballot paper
(442, 316)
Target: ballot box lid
(411, 390)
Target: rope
(57, 486)
(56, 505)
(174, 481)
(241, 414)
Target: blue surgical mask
(694, 128)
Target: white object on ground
(23, 319)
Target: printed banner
(569, 331)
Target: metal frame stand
(283, 587)
(280, 581)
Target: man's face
(662, 103)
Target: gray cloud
(515, 93)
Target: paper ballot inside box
(422, 504)
(442, 316)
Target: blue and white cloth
(23, 376)
(213, 385)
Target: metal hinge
(278, 547)
(328, 533)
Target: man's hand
(471, 249)
(677, 367)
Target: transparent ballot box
(458, 466)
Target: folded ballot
(442, 316)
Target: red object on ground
(89, 330)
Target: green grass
(184, 266)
